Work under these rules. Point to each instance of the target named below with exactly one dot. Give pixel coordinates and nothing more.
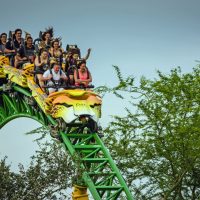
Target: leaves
(48, 176)
(123, 85)
(157, 145)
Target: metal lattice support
(14, 105)
(99, 171)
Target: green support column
(99, 172)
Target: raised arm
(88, 54)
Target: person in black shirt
(14, 43)
(29, 49)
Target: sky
(139, 36)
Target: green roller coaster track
(99, 171)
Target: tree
(48, 176)
(6, 180)
(157, 144)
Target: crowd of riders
(53, 67)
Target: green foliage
(41, 131)
(48, 176)
(78, 171)
(123, 85)
(157, 147)
(7, 185)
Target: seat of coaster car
(74, 49)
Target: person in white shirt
(54, 77)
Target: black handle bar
(69, 86)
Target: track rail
(99, 170)
(94, 163)
(14, 105)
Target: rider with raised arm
(73, 58)
(82, 75)
(54, 78)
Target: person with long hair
(82, 75)
(72, 59)
(41, 65)
(46, 41)
(55, 51)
